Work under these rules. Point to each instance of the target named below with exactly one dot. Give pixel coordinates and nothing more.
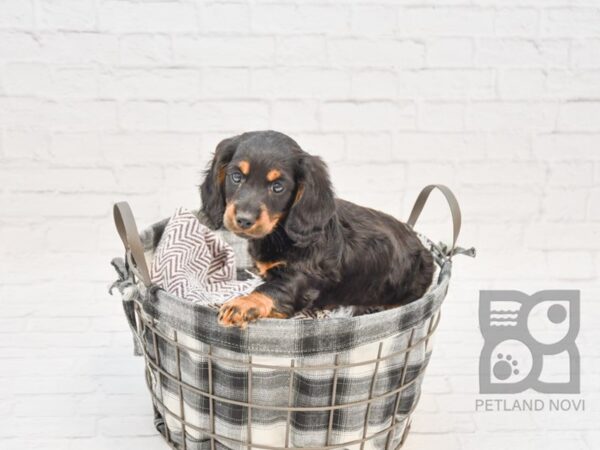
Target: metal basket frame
(153, 363)
(147, 333)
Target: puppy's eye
(236, 177)
(277, 187)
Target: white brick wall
(109, 100)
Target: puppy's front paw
(242, 310)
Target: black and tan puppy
(310, 247)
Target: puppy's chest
(266, 258)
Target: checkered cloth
(190, 360)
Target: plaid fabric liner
(208, 382)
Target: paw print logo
(505, 367)
(528, 340)
(510, 362)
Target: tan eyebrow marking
(244, 167)
(273, 175)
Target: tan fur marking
(264, 267)
(242, 310)
(229, 216)
(264, 225)
(299, 193)
(220, 175)
(265, 222)
(244, 167)
(273, 175)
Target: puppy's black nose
(244, 221)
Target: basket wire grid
(147, 328)
(397, 400)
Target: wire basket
(336, 383)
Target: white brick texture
(108, 100)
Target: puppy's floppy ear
(212, 189)
(314, 203)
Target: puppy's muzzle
(244, 220)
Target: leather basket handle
(130, 236)
(452, 202)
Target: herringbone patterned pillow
(194, 263)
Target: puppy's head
(260, 180)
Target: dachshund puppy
(311, 248)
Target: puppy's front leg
(276, 298)
(239, 311)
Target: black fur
(212, 191)
(307, 218)
(333, 252)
